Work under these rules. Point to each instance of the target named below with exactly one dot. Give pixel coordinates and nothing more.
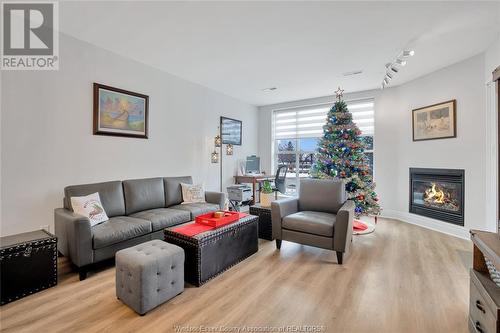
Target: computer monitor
(252, 164)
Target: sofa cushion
(110, 193)
(91, 207)
(118, 229)
(322, 195)
(143, 194)
(173, 190)
(164, 217)
(197, 208)
(316, 223)
(192, 193)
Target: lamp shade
(217, 139)
(229, 149)
(215, 157)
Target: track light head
(401, 62)
(394, 69)
(389, 75)
(408, 53)
(386, 80)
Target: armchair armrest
(75, 236)
(280, 209)
(342, 234)
(218, 198)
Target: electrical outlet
(45, 227)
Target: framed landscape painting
(120, 112)
(436, 121)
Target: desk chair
(279, 181)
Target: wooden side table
(265, 222)
(484, 305)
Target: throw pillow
(192, 193)
(90, 206)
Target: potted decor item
(266, 194)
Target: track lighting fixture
(392, 68)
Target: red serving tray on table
(216, 222)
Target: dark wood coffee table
(212, 252)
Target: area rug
(362, 227)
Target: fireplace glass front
(438, 193)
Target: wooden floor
(401, 278)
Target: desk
(254, 180)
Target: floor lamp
(217, 155)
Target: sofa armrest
(75, 236)
(342, 234)
(218, 198)
(280, 209)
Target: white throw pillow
(90, 206)
(192, 193)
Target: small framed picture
(120, 112)
(230, 131)
(438, 121)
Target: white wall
(465, 83)
(47, 140)
(395, 152)
(492, 58)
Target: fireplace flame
(435, 195)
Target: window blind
(307, 122)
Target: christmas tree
(341, 156)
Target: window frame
(297, 151)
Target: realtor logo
(30, 40)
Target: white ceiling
(302, 48)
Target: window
(297, 132)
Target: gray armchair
(321, 216)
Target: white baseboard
(440, 226)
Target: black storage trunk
(210, 253)
(265, 222)
(28, 264)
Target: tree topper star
(339, 93)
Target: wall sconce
(217, 139)
(215, 157)
(229, 149)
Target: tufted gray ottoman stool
(149, 274)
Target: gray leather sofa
(138, 211)
(321, 217)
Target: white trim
(443, 227)
(491, 152)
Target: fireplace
(438, 193)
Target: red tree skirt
(357, 225)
